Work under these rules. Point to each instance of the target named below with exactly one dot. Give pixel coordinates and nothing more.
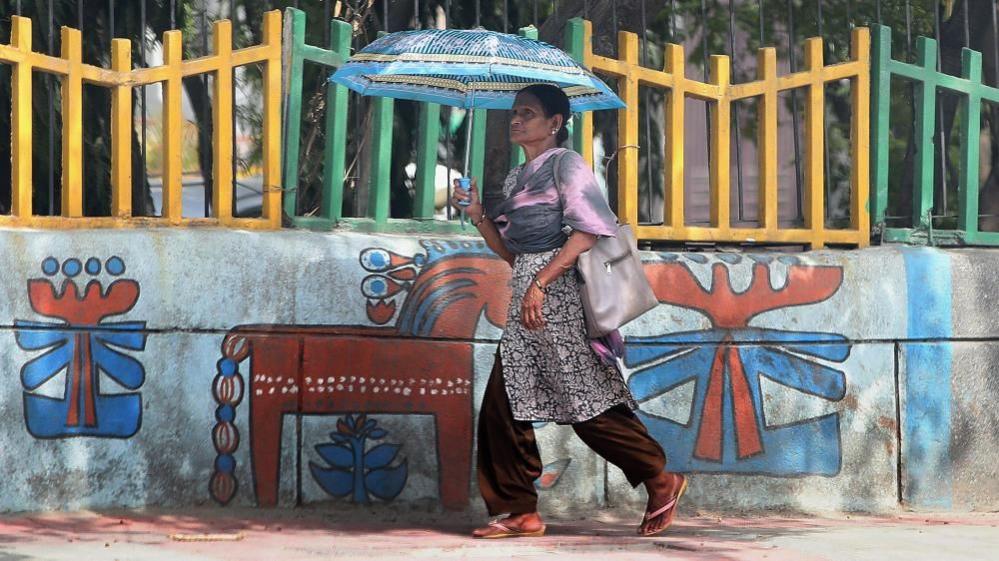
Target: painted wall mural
(86, 346)
(227, 389)
(830, 366)
(440, 293)
(355, 469)
(775, 365)
(425, 308)
(727, 430)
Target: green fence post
(971, 108)
(380, 186)
(880, 112)
(575, 35)
(293, 108)
(516, 153)
(334, 158)
(926, 103)
(429, 132)
(379, 189)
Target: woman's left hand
(531, 308)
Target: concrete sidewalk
(313, 533)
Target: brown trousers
(508, 453)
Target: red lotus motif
(88, 310)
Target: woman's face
(528, 124)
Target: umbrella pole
(466, 181)
(468, 142)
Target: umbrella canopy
(469, 68)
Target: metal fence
(927, 81)
(371, 193)
(330, 210)
(722, 94)
(121, 79)
(778, 23)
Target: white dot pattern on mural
(271, 385)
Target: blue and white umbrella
(472, 69)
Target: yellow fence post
(172, 127)
(721, 144)
(272, 119)
(222, 147)
(586, 118)
(121, 131)
(20, 39)
(675, 115)
(627, 135)
(72, 124)
(767, 142)
(814, 203)
(860, 138)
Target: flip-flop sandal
(508, 532)
(665, 508)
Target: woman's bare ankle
(660, 481)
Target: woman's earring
(554, 131)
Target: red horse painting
(423, 364)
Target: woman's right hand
(459, 195)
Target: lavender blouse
(536, 212)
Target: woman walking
(546, 368)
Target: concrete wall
(188, 367)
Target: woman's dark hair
(554, 102)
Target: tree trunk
(197, 93)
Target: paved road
(320, 533)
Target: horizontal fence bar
(742, 235)
(98, 76)
(63, 223)
(333, 57)
(402, 225)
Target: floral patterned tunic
(553, 373)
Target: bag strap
(556, 165)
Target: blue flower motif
(351, 469)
